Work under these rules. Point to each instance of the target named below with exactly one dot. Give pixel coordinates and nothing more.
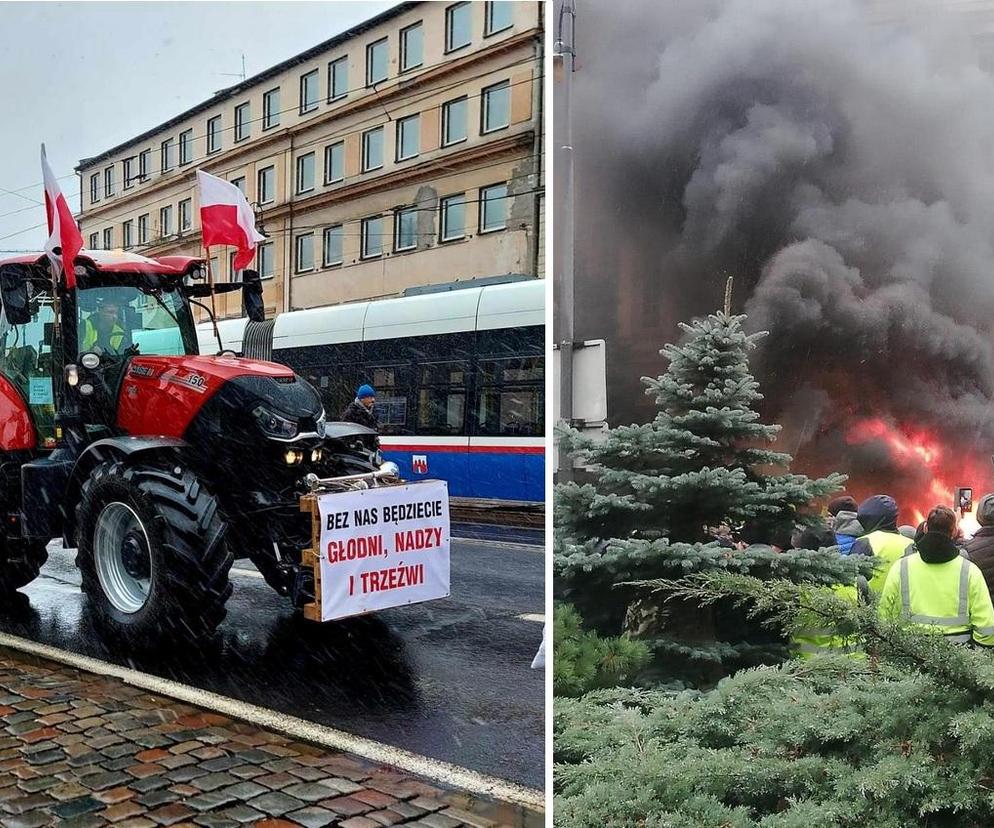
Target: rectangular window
(377, 61)
(108, 182)
(338, 79)
(126, 233)
(109, 238)
(454, 118)
(166, 221)
(510, 397)
(411, 47)
(143, 229)
(441, 402)
(495, 109)
(265, 253)
(166, 155)
(493, 208)
(453, 217)
(458, 26)
(267, 185)
(94, 241)
(243, 119)
(127, 166)
(234, 275)
(372, 149)
(334, 162)
(215, 266)
(185, 147)
(144, 157)
(499, 16)
(372, 237)
(332, 246)
(271, 109)
(305, 173)
(239, 183)
(408, 137)
(214, 134)
(405, 229)
(309, 92)
(95, 188)
(305, 253)
(185, 215)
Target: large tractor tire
(152, 552)
(20, 563)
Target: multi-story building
(406, 151)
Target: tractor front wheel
(20, 563)
(152, 552)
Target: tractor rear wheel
(152, 552)
(20, 563)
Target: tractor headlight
(316, 455)
(273, 425)
(293, 457)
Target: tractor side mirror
(252, 301)
(14, 280)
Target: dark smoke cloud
(841, 168)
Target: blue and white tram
(459, 378)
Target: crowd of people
(930, 576)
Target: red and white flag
(227, 218)
(62, 229)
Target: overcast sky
(83, 77)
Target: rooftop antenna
(233, 74)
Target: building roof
(272, 71)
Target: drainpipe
(288, 235)
(538, 107)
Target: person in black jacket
(360, 410)
(980, 547)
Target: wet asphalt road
(447, 679)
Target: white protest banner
(384, 547)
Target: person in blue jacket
(845, 522)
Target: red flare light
(917, 456)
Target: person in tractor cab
(360, 410)
(102, 332)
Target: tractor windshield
(115, 320)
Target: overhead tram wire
(130, 212)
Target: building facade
(404, 152)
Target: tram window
(510, 400)
(519, 369)
(442, 398)
(391, 383)
(510, 413)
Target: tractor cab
(124, 305)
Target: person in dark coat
(845, 522)
(981, 547)
(360, 410)
(817, 536)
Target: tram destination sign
(384, 547)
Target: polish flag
(227, 218)
(62, 230)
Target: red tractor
(160, 465)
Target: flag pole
(210, 282)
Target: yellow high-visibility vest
(814, 638)
(951, 598)
(887, 547)
(91, 334)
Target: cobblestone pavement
(80, 751)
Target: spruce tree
(658, 491)
(899, 739)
